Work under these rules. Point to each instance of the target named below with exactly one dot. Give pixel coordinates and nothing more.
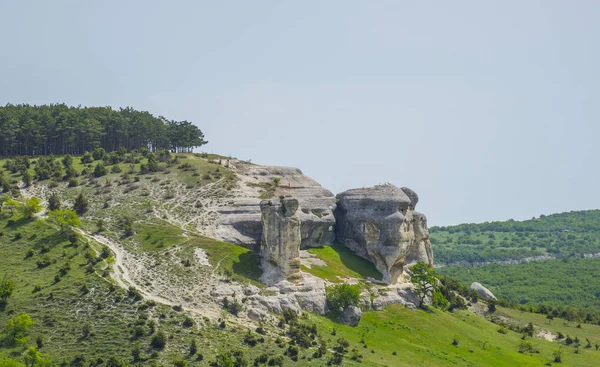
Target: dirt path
(121, 267)
(126, 265)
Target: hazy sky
(488, 110)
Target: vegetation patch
(341, 263)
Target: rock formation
(380, 224)
(482, 291)
(238, 218)
(281, 238)
(351, 316)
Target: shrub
(159, 340)
(290, 316)
(86, 158)
(341, 296)
(440, 301)
(81, 204)
(7, 287)
(188, 322)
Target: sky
(489, 110)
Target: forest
(564, 235)
(565, 282)
(58, 129)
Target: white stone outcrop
(281, 238)
(380, 224)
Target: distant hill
(570, 234)
(550, 259)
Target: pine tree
(53, 202)
(81, 204)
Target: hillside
(572, 234)
(142, 268)
(547, 260)
(84, 318)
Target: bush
(99, 170)
(341, 296)
(440, 301)
(73, 182)
(290, 316)
(81, 204)
(159, 340)
(86, 158)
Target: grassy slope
(591, 332)
(425, 339)
(418, 338)
(568, 282)
(341, 263)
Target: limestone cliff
(380, 224)
(238, 219)
(281, 238)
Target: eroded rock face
(238, 219)
(281, 238)
(380, 224)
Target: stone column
(280, 243)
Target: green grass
(341, 262)
(238, 261)
(422, 338)
(191, 176)
(157, 235)
(591, 332)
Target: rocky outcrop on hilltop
(281, 238)
(238, 220)
(380, 224)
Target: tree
(81, 204)
(152, 163)
(17, 326)
(7, 287)
(98, 154)
(32, 206)
(67, 161)
(11, 204)
(32, 356)
(99, 170)
(341, 296)
(193, 347)
(27, 178)
(53, 202)
(424, 280)
(86, 158)
(65, 218)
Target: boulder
(309, 296)
(482, 291)
(401, 294)
(380, 224)
(280, 244)
(351, 316)
(256, 314)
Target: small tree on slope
(424, 280)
